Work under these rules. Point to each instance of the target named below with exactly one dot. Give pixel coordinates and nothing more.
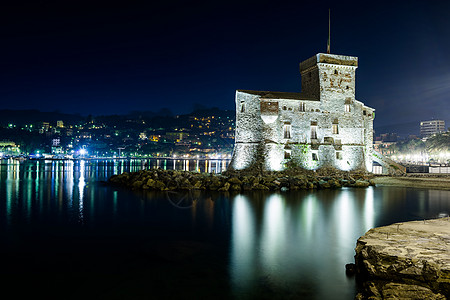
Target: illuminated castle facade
(323, 126)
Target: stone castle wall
(273, 132)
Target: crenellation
(323, 126)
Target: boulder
(234, 180)
(361, 184)
(225, 187)
(259, 186)
(405, 260)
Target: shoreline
(170, 180)
(416, 180)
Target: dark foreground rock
(164, 180)
(405, 261)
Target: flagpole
(329, 30)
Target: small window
(347, 108)
(335, 128)
(313, 132)
(364, 112)
(242, 106)
(284, 107)
(302, 106)
(338, 155)
(346, 87)
(287, 154)
(315, 156)
(287, 131)
(335, 72)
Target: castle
(323, 126)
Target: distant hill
(22, 117)
(402, 129)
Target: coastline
(431, 181)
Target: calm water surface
(66, 235)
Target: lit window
(348, 102)
(302, 106)
(335, 128)
(287, 131)
(347, 107)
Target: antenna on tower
(329, 30)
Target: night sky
(104, 58)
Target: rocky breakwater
(162, 180)
(408, 260)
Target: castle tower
(329, 78)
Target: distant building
(9, 148)
(43, 127)
(142, 136)
(56, 141)
(324, 125)
(389, 137)
(60, 124)
(428, 128)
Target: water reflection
(81, 185)
(257, 245)
(243, 244)
(301, 240)
(33, 187)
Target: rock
(247, 186)
(137, 184)
(158, 179)
(323, 184)
(412, 256)
(350, 269)
(234, 180)
(151, 183)
(258, 186)
(198, 186)
(361, 184)
(160, 185)
(235, 187)
(225, 187)
(409, 291)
